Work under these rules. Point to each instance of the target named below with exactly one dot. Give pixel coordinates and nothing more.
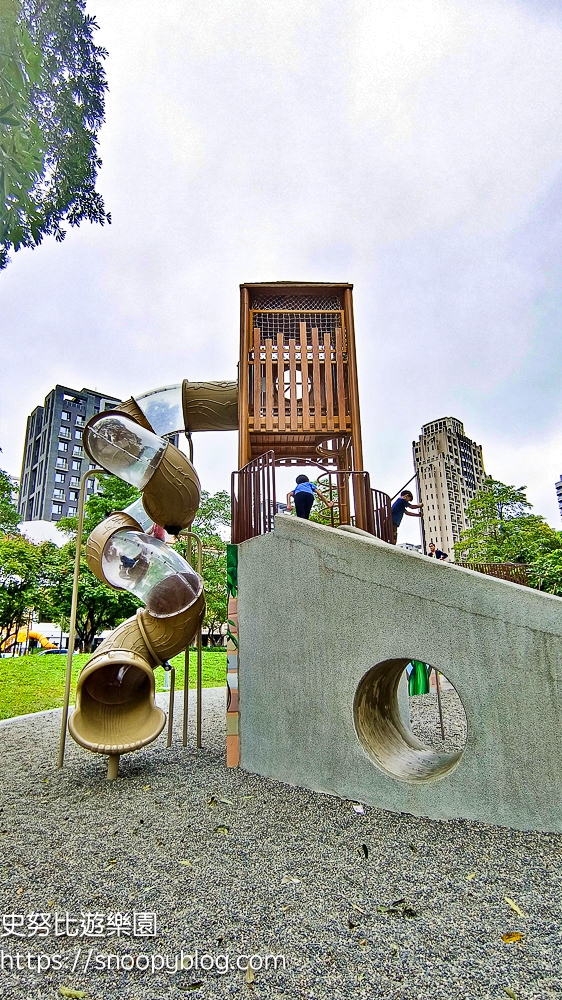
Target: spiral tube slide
(115, 709)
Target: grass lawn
(34, 683)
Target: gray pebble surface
(236, 864)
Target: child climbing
(303, 496)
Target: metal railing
(354, 501)
(254, 503)
(514, 572)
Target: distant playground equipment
(23, 636)
(323, 711)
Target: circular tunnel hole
(410, 720)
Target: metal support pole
(74, 606)
(438, 689)
(171, 705)
(190, 535)
(185, 695)
(199, 687)
(403, 487)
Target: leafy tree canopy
(52, 91)
(213, 514)
(502, 529)
(113, 494)
(23, 577)
(99, 607)
(9, 517)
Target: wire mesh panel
(297, 301)
(254, 503)
(298, 378)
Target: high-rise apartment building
(53, 456)
(559, 494)
(450, 471)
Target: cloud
(413, 148)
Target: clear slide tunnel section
(124, 448)
(152, 571)
(163, 408)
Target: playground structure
(23, 635)
(322, 619)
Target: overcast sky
(412, 147)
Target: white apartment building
(450, 471)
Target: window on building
(74, 481)
(77, 450)
(72, 511)
(65, 415)
(59, 478)
(58, 494)
(61, 463)
(64, 432)
(78, 435)
(90, 466)
(63, 445)
(90, 484)
(80, 421)
(76, 466)
(56, 508)
(96, 409)
(73, 495)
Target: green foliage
(545, 572)
(322, 514)
(23, 577)
(52, 90)
(213, 513)
(99, 607)
(113, 494)
(9, 517)
(502, 529)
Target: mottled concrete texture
(320, 607)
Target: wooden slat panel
(257, 380)
(316, 384)
(340, 380)
(293, 384)
(304, 372)
(281, 380)
(328, 376)
(268, 385)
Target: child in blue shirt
(303, 495)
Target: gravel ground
(373, 905)
(424, 720)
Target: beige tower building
(450, 471)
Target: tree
(212, 515)
(99, 607)
(23, 575)
(52, 91)
(545, 572)
(113, 494)
(502, 529)
(9, 517)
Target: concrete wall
(320, 607)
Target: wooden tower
(298, 391)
